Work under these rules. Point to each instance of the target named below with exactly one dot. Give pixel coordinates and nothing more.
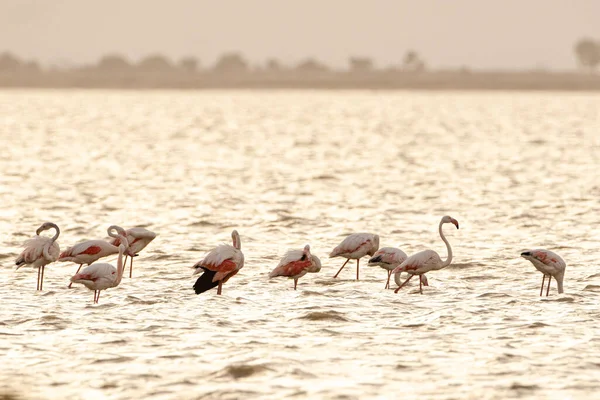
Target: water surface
(517, 170)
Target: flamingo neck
(236, 242)
(57, 232)
(559, 282)
(448, 248)
(120, 267)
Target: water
(517, 170)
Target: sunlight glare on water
(287, 168)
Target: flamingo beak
(455, 222)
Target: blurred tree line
(232, 62)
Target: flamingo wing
(388, 255)
(34, 249)
(419, 260)
(223, 260)
(549, 258)
(353, 243)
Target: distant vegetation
(232, 70)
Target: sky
(479, 34)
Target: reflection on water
(518, 170)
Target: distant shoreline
(376, 80)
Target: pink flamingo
(549, 264)
(220, 264)
(40, 251)
(138, 239)
(297, 263)
(426, 260)
(101, 276)
(354, 247)
(90, 251)
(389, 258)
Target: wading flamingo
(138, 239)
(354, 247)
(549, 264)
(389, 258)
(91, 251)
(297, 263)
(101, 276)
(220, 264)
(426, 260)
(40, 251)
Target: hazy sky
(476, 33)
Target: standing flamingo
(297, 263)
(138, 239)
(426, 260)
(91, 251)
(40, 251)
(389, 258)
(549, 264)
(354, 247)
(220, 264)
(101, 276)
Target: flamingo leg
(220, 287)
(387, 285)
(124, 262)
(130, 267)
(295, 283)
(95, 293)
(98, 298)
(335, 276)
(543, 279)
(38, 279)
(71, 284)
(42, 279)
(420, 285)
(357, 260)
(548, 290)
(404, 283)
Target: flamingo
(426, 260)
(549, 264)
(389, 258)
(91, 251)
(101, 276)
(354, 247)
(138, 239)
(297, 263)
(40, 251)
(220, 264)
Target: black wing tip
(205, 282)
(375, 259)
(526, 253)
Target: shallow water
(517, 170)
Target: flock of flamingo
(224, 261)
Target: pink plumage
(91, 251)
(101, 276)
(389, 258)
(549, 264)
(297, 263)
(40, 251)
(219, 265)
(426, 260)
(354, 247)
(138, 239)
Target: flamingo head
(316, 264)
(529, 255)
(449, 220)
(375, 245)
(44, 227)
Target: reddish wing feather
(92, 250)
